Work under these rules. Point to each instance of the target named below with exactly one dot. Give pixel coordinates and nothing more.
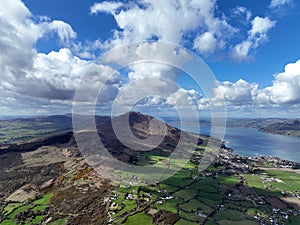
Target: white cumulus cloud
(109, 7)
(284, 92)
(256, 37)
(19, 35)
(64, 31)
(279, 3)
(205, 43)
(167, 20)
(285, 88)
(238, 93)
(242, 13)
(29, 77)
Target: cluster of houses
(278, 215)
(276, 162)
(231, 165)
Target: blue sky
(246, 44)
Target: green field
(194, 200)
(242, 222)
(185, 222)
(10, 207)
(228, 214)
(17, 130)
(139, 218)
(12, 210)
(44, 200)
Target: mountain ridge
(51, 183)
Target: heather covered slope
(49, 175)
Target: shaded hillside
(139, 126)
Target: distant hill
(253, 123)
(16, 130)
(22, 129)
(289, 127)
(281, 126)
